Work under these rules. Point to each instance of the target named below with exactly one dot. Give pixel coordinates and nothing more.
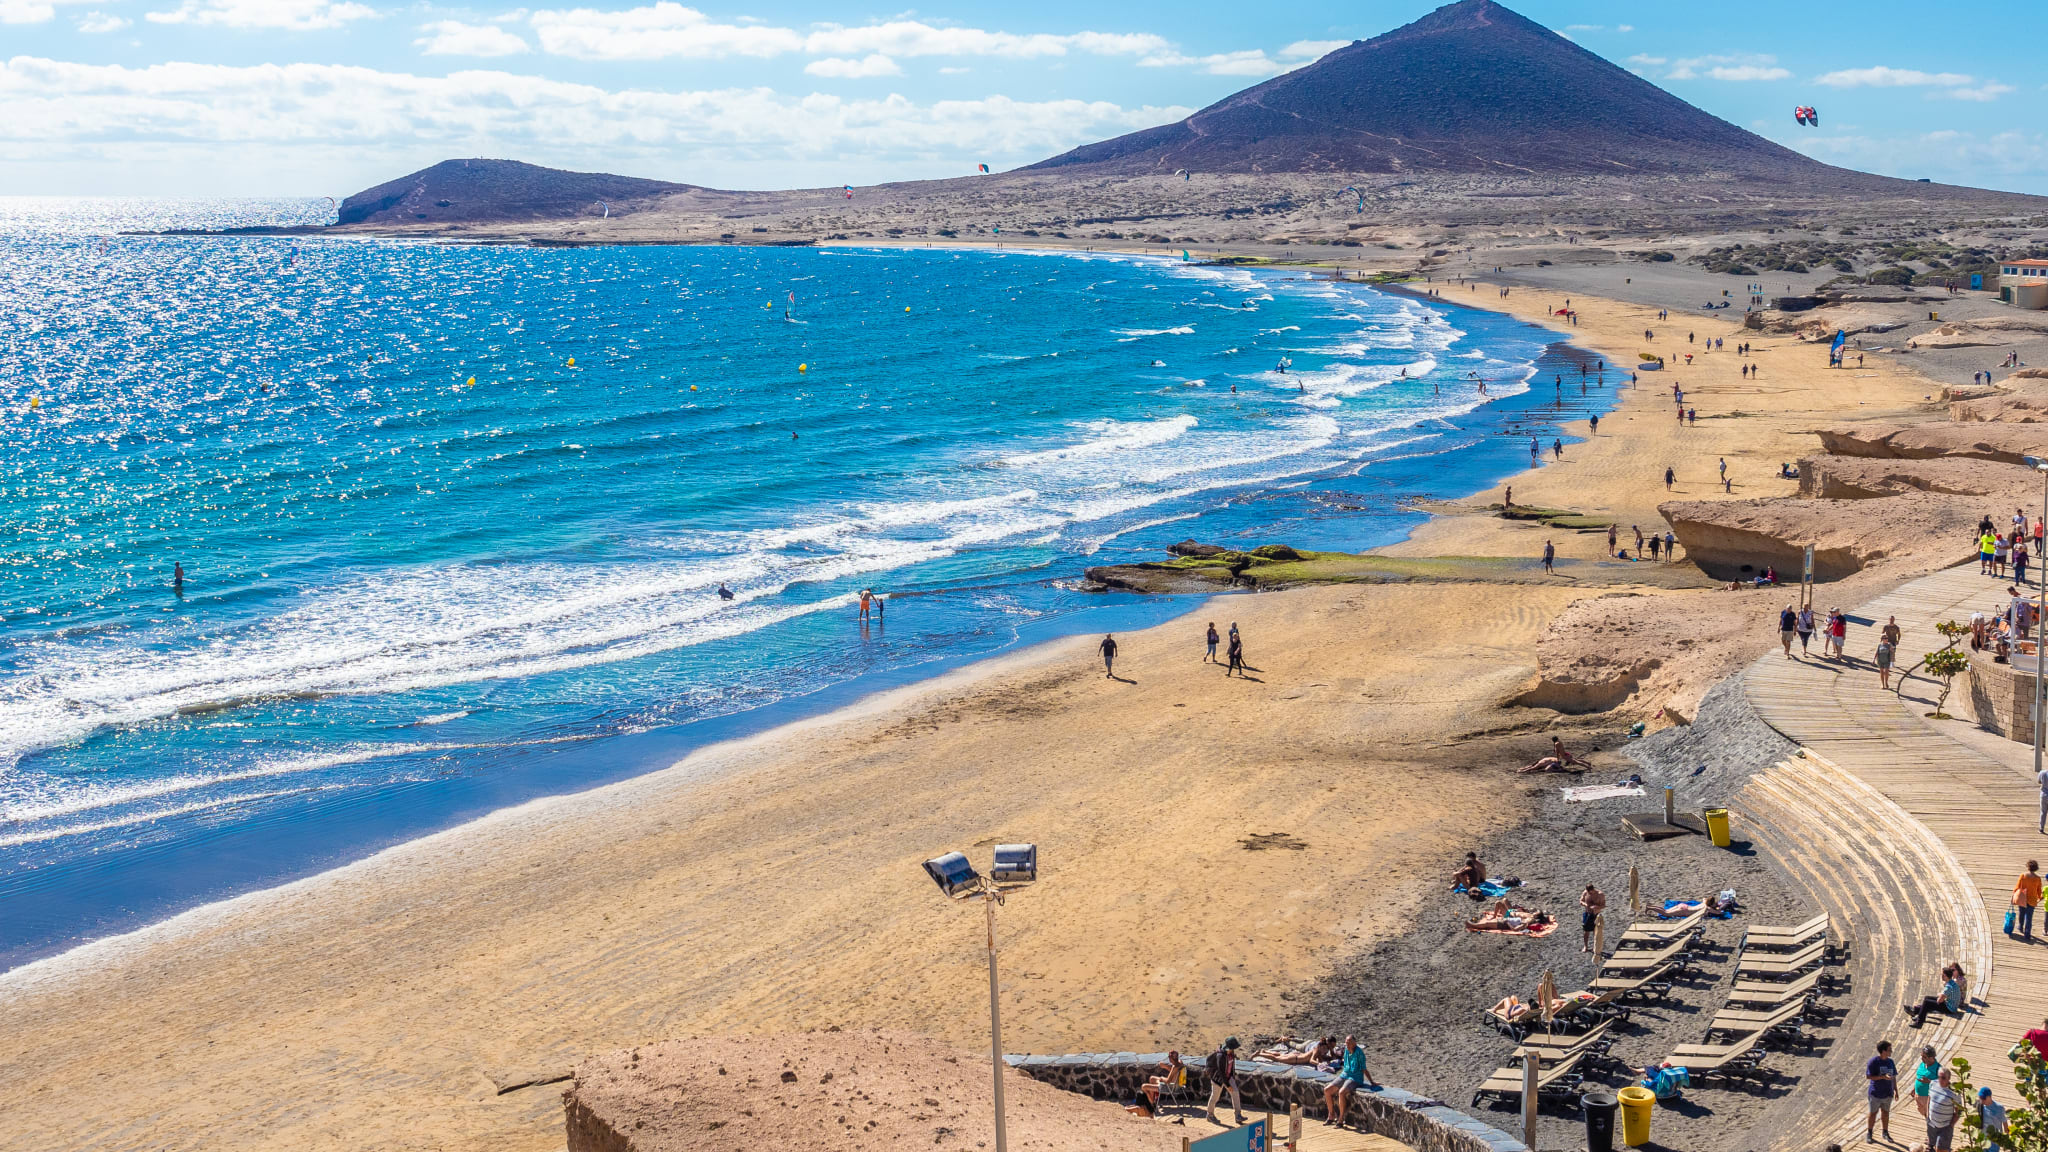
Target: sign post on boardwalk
(1806, 581)
(2040, 465)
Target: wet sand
(773, 884)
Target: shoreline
(662, 749)
(788, 897)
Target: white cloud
(454, 38)
(1248, 63)
(1983, 94)
(951, 70)
(1624, 27)
(1642, 61)
(99, 23)
(664, 30)
(668, 29)
(1747, 72)
(1740, 69)
(1311, 49)
(32, 11)
(51, 109)
(1585, 28)
(292, 15)
(874, 64)
(1948, 155)
(1883, 77)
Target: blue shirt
(1881, 1066)
(1354, 1064)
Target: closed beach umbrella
(1546, 992)
(1635, 894)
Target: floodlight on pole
(1015, 866)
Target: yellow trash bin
(1717, 826)
(1636, 1104)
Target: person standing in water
(178, 578)
(1108, 647)
(866, 602)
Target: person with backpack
(1222, 1069)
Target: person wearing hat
(1991, 1114)
(1223, 1073)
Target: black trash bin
(1600, 1109)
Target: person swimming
(724, 593)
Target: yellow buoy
(572, 361)
(472, 382)
(35, 401)
(693, 387)
(803, 367)
(906, 307)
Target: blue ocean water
(452, 517)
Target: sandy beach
(772, 884)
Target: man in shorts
(1350, 1078)
(1944, 1105)
(1882, 1076)
(1788, 627)
(1592, 902)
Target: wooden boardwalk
(1316, 1136)
(1914, 831)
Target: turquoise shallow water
(410, 598)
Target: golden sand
(774, 884)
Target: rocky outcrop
(1195, 549)
(848, 1091)
(1867, 478)
(2026, 403)
(1589, 686)
(1736, 540)
(2004, 442)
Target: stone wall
(1275, 1087)
(2003, 695)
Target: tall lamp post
(2040, 465)
(1015, 866)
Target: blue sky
(276, 97)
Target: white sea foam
(1181, 330)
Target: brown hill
(472, 191)
(1471, 87)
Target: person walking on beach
(1637, 529)
(1549, 557)
(1805, 628)
(1592, 902)
(1611, 529)
(2019, 556)
(1886, 652)
(1108, 647)
(1670, 546)
(1788, 623)
(1724, 468)
(1557, 449)
(1656, 542)
(1212, 639)
(1881, 1076)
(1987, 547)
(1838, 633)
(1236, 653)
(2026, 896)
(1670, 477)
(1222, 1069)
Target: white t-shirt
(1942, 1103)
(2042, 779)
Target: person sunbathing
(1321, 1052)
(1503, 916)
(1545, 764)
(1471, 874)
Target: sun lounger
(1781, 967)
(1781, 1020)
(1797, 936)
(1770, 995)
(1552, 1046)
(1739, 1059)
(1645, 959)
(1656, 982)
(1655, 933)
(1560, 1079)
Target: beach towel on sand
(1491, 889)
(1680, 909)
(1589, 792)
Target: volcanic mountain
(497, 190)
(1471, 87)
